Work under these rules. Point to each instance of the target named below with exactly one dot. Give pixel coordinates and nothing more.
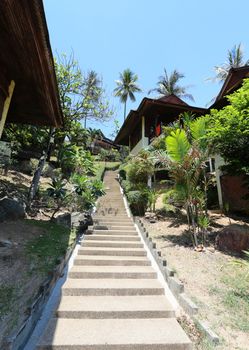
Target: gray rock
(11, 209)
(5, 243)
(63, 219)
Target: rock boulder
(233, 238)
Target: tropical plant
(185, 158)
(87, 190)
(235, 59)
(140, 167)
(138, 201)
(169, 85)
(58, 192)
(153, 195)
(126, 87)
(73, 159)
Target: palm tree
(235, 59)
(169, 85)
(126, 87)
(92, 89)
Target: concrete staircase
(112, 299)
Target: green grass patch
(46, 250)
(102, 166)
(7, 295)
(236, 297)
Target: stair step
(96, 236)
(78, 287)
(111, 261)
(112, 251)
(113, 219)
(114, 226)
(112, 244)
(104, 334)
(118, 307)
(119, 272)
(116, 230)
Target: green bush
(138, 201)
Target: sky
(147, 36)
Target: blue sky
(147, 35)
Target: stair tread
(121, 334)
(111, 283)
(117, 303)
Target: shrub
(138, 202)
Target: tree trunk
(124, 110)
(37, 175)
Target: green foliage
(185, 159)
(7, 295)
(177, 145)
(26, 137)
(87, 190)
(169, 85)
(74, 159)
(229, 129)
(126, 87)
(46, 250)
(82, 97)
(111, 155)
(152, 198)
(57, 188)
(140, 168)
(138, 201)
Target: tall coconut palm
(169, 85)
(235, 59)
(126, 87)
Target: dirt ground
(17, 283)
(208, 278)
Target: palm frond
(177, 145)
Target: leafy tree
(169, 85)
(235, 59)
(82, 95)
(229, 129)
(126, 87)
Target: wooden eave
(26, 57)
(233, 82)
(148, 107)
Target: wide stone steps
(111, 260)
(104, 236)
(111, 244)
(112, 251)
(113, 287)
(121, 334)
(118, 307)
(112, 298)
(112, 272)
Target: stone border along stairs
(112, 299)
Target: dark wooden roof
(233, 82)
(169, 107)
(26, 57)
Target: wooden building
(144, 124)
(28, 86)
(232, 83)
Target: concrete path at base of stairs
(112, 298)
